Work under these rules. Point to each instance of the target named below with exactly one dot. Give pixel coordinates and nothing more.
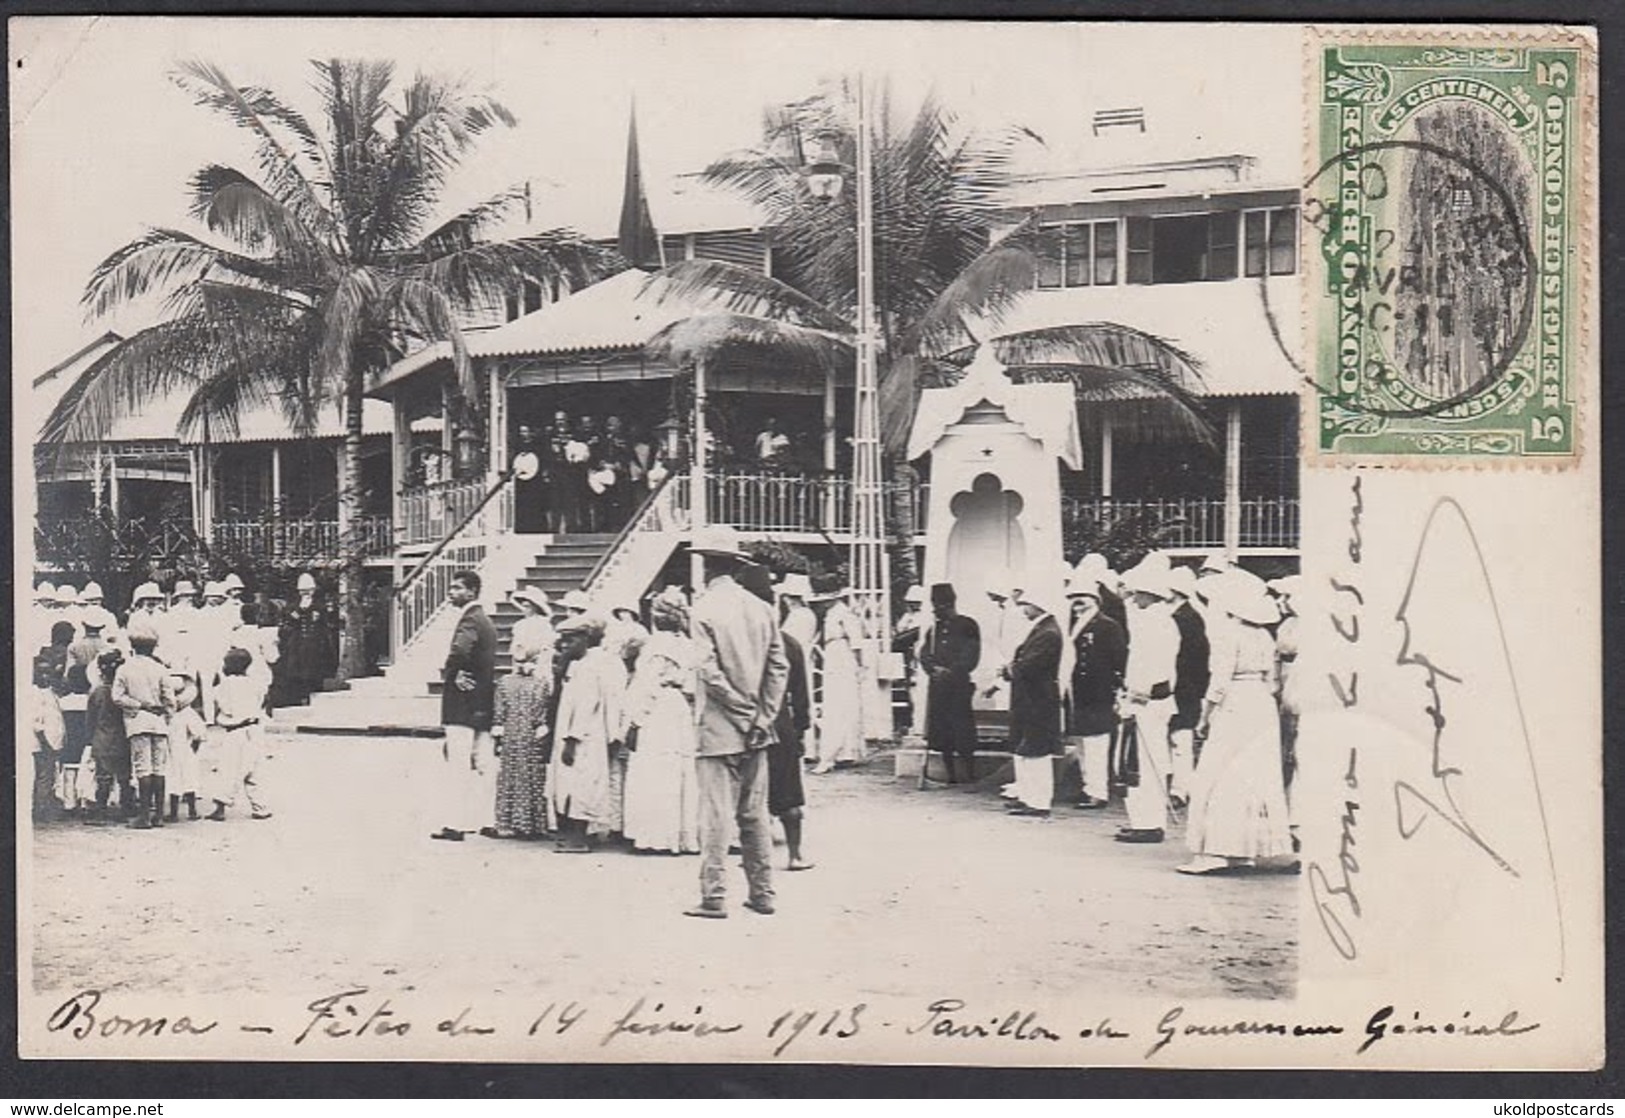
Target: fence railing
(429, 512)
(1193, 522)
(426, 594)
(779, 503)
(301, 539)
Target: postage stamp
(1446, 205)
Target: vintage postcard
(1048, 544)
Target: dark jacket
(1097, 676)
(473, 650)
(1190, 668)
(955, 646)
(795, 715)
(1035, 691)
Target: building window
(1186, 249)
(1272, 241)
(1078, 255)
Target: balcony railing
(429, 512)
(300, 540)
(1192, 522)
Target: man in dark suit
(1035, 710)
(949, 653)
(467, 703)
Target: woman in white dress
(588, 725)
(840, 710)
(532, 638)
(1238, 811)
(662, 792)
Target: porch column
(205, 461)
(829, 418)
(98, 481)
(1105, 453)
(400, 445)
(496, 437)
(112, 489)
(699, 491)
(1232, 481)
(276, 480)
(191, 486)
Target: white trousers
(1182, 760)
(1035, 782)
(1094, 763)
(234, 766)
(469, 784)
(1147, 802)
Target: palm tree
(317, 271)
(947, 265)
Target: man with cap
(304, 639)
(743, 674)
(949, 654)
(1091, 676)
(467, 711)
(1148, 685)
(1035, 709)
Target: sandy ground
(913, 890)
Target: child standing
(187, 734)
(109, 748)
(238, 702)
(142, 690)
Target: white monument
(995, 506)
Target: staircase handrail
(445, 541)
(633, 525)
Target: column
(400, 446)
(1232, 480)
(276, 500)
(699, 494)
(112, 489)
(1105, 452)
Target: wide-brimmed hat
(1149, 576)
(97, 618)
(1182, 582)
(914, 595)
(718, 539)
(147, 591)
(535, 595)
(1287, 586)
(619, 608)
(832, 594)
(585, 623)
(1082, 586)
(1214, 562)
(575, 600)
(1244, 596)
(796, 585)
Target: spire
(638, 241)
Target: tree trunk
(353, 638)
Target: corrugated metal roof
(1230, 326)
(611, 314)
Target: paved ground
(913, 891)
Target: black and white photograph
(657, 540)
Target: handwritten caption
(328, 1023)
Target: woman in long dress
(589, 724)
(1238, 811)
(532, 637)
(522, 699)
(840, 713)
(662, 793)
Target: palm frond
(703, 337)
(157, 261)
(747, 293)
(229, 202)
(422, 309)
(463, 230)
(483, 274)
(346, 315)
(984, 289)
(1108, 345)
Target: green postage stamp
(1449, 205)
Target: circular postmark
(1431, 264)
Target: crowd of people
(165, 705)
(674, 727)
(1170, 686)
(583, 473)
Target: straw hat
(796, 585)
(914, 595)
(1244, 596)
(718, 539)
(532, 594)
